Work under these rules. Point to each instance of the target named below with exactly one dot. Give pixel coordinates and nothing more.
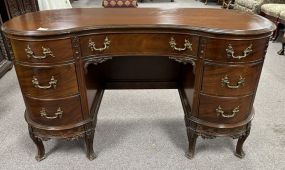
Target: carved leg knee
(239, 151)
(89, 136)
(40, 146)
(192, 137)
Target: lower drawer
(66, 111)
(224, 110)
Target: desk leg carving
(40, 146)
(239, 151)
(192, 137)
(89, 136)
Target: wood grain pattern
(139, 44)
(213, 75)
(65, 75)
(140, 56)
(61, 49)
(209, 104)
(216, 50)
(73, 20)
(70, 106)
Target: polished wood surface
(214, 63)
(72, 20)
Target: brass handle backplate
(57, 115)
(92, 45)
(221, 112)
(52, 83)
(231, 52)
(46, 52)
(226, 82)
(187, 45)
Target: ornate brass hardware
(92, 45)
(46, 52)
(57, 115)
(226, 82)
(187, 45)
(231, 52)
(52, 83)
(221, 112)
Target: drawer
(139, 44)
(60, 112)
(48, 51)
(224, 110)
(235, 50)
(47, 82)
(230, 80)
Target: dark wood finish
(61, 50)
(220, 54)
(5, 64)
(140, 55)
(213, 75)
(139, 44)
(18, 7)
(9, 9)
(65, 75)
(209, 104)
(70, 107)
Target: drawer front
(235, 50)
(47, 82)
(224, 110)
(48, 51)
(60, 112)
(139, 44)
(230, 80)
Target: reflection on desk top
(64, 21)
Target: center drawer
(48, 81)
(65, 111)
(139, 44)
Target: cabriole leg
(239, 151)
(40, 146)
(192, 137)
(89, 136)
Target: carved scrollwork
(95, 61)
(184, 60)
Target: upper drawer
(47, 82)
(235, 50)
(139, 44)
(224, 110)
(230, 80)
(49, 51)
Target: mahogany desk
(64, 60)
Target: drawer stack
(47, 76)
(230, 77)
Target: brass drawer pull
(226, 82)
(46, 52)
(231, 52)
(52, 83)
(92, 45)
(187, 45)
(221, 112)
(57, 115)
